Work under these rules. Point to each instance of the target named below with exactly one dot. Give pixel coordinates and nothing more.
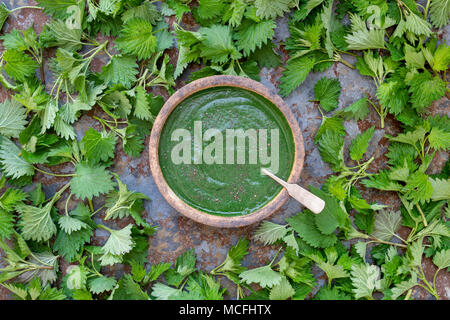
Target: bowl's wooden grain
(203, 217)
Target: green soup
(232, 184)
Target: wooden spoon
(306, 198)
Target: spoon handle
(306, 198)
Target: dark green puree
(225, 189)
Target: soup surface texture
(225, 187)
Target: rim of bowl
(208, 218)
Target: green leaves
(120, 70)
(305, 225)
(13, 165)
(327, 91)
(12, 118)
(98, 146)
(217, 44)
(417, 25)
(363, 38)
(36, 223)
(425, 89)
(360, 144)
(282, 290)
(119, 241)
(251, 35)
(386, 224)
(272, 9)
(331, 147)
(90, 181)
(99, 285)
(19, 65)
(123, 202)
(365, 279)
(442, 259)
(439, 12)
(295, 73)
(137, 38)
(142, 106)
(4, 14)
(269, 232)
(264, 276)
(60, 35)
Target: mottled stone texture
(176, 233)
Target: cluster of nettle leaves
(395, 43)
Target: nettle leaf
(12, 118)
(63, 129)
(137, 38)
(264, 276)
(70, 245)
(19, 65)
(163, 292)
(217, 44)
(402, 287)
(410, 137)
(418, 187)
(331, 148)
(269, 232)
(6, 224)
(439, 139)
(48, 115)
(47, 264)
(57, 8)
(360, 143)
(98, 146)
(146, 10)
(123, 202)
(36, 223)
(4, 14)
(425, 89)
(442, 259)
(358, 110)
(441, 189)
(333, 293)
(156, 270)
(232, 263)
(362, 38)
(334, 124)
(13, 165)
(332, 215)
(120, 70)
(76, 277)
(99, 285)
(282, 291)
(386, 224)
(69, 224)
(119, 241)
(439, 12)
(295, 73)
(365, 279)
(271, 9)
(327, 91)
(304, 224)
(90, 181)
(64, 37)
(70, 112)
(393, 95)
(142, 106)
(417, 25)
(251, 35)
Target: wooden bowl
(200, 216)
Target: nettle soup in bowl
(209, 143)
